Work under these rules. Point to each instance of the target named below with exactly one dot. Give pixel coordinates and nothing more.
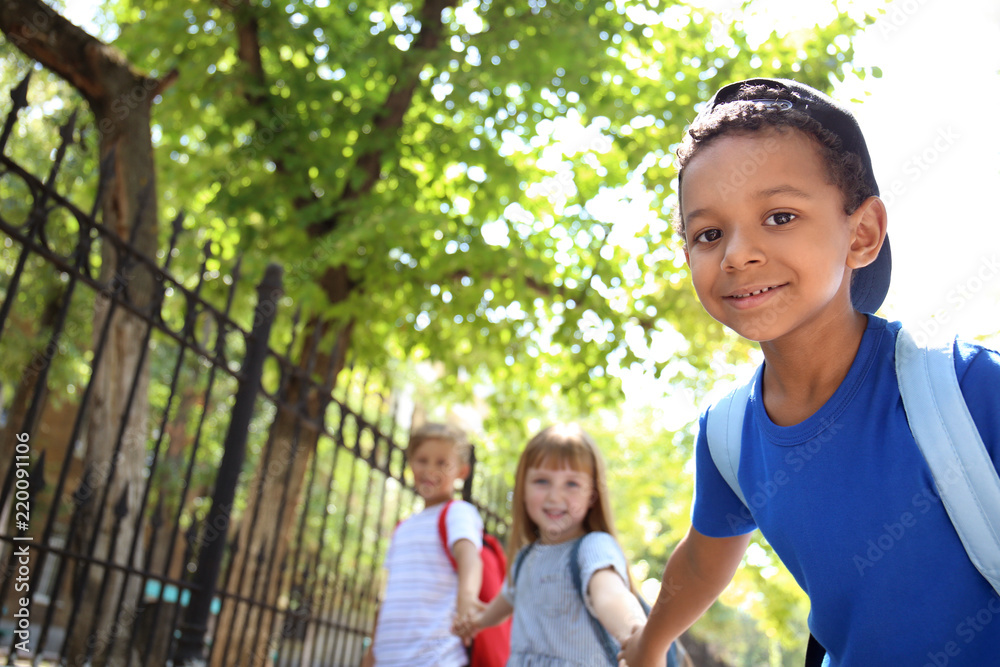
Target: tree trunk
(116, 430)
(245, 633)
(117, 423)
(279, 478)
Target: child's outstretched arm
(470, 577)
(368, 659)
(614, 605)
(698, 571)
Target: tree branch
(545, 289)
(166, 82)
(389, 120)
(66, 49)
(248, 48)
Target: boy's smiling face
(436, 465)
(766, 236)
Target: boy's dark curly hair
(844, 168)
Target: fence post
(215, 529)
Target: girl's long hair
(559, 446)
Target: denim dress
(551, 626)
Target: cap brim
(870, 284)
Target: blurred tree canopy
(484, 184)
(495, 177)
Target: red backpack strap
(493, 544)
(443, 532)
(494, 568)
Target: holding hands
(467, 619)
(635, 654)
(468, 623)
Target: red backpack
(491, 646)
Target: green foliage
(43, 292)
(519, 222)
(517, 231)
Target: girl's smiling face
(557, 501)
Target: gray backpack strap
(964, 475)
(724, 428)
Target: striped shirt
(414, 621)
(551, 627)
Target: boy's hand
(632, 653)
(470, 580)
(468, 610)
(468, 606)
(467, 625)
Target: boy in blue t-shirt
(785, 237)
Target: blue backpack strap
(724, 432)
(519, 560)
(608, 643)
(963, 472)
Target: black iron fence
(166, 544)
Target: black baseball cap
(869, 284)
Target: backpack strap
(724, 432)
(963, 473)
(443, 532)
(607, 643)
(519, 560)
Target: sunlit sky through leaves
(936, 153)
(935, 150)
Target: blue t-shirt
(848, 503)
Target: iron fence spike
(121, 507)
(19, 95)
(37, 480)
(68, 128)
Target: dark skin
(796, 384)
(772, 259)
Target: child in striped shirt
(423, 592)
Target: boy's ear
(463, 472)
(868, 230)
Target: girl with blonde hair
(568, 583)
